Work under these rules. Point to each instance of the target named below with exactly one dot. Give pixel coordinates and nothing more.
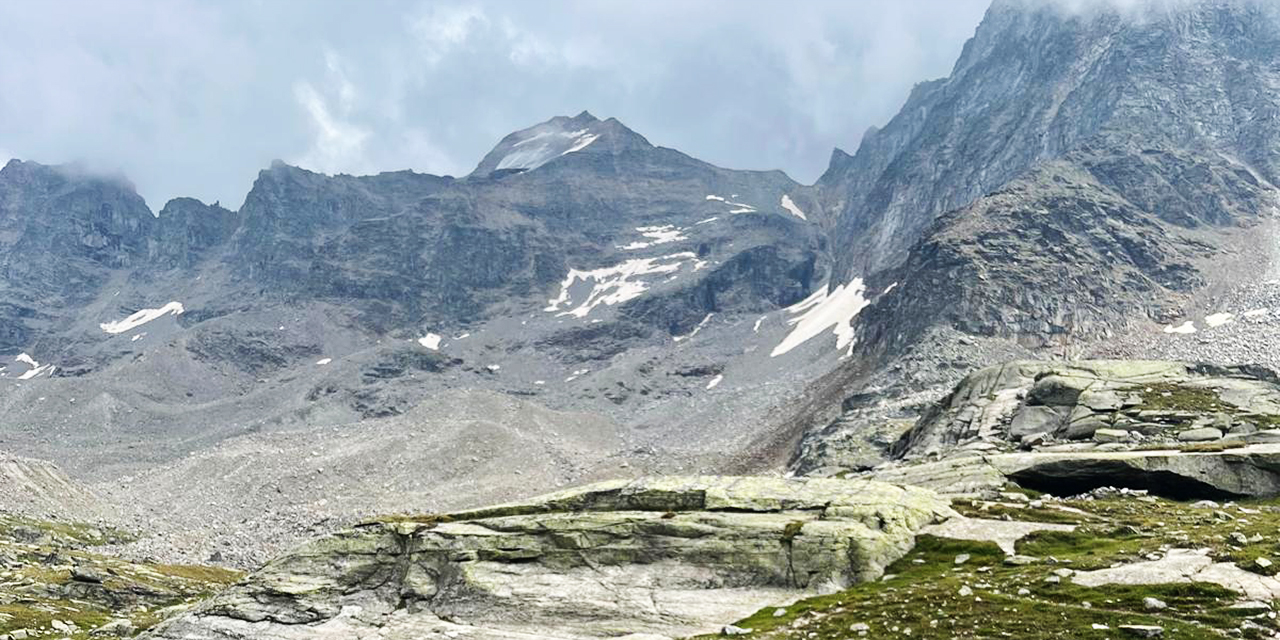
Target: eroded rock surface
(670, 556)
(1182, 430)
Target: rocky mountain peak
(530, 148)
(1038, 81)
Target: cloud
(440, 30)
(193, 98)
(338, 145)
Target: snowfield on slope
(545, 146)
(824, 310)
(612, 285)
(142, 317)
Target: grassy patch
(1032, 601)
(1174, 397)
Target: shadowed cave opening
(1070, 478)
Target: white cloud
(439, 30)
(338, 145)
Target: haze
(194, 98)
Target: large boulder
(1071, 401)
(668, 556)
(1247, 471)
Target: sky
(194, 97)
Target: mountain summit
(556, 138)
(1038, 81)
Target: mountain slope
(1102, 174)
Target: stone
(1019, 561)
(860, 628)
(962, 558)
(85, 574)
(1262, 563)
(1270, 436)
(1183, 566)
(1004, 534)
(1058, 390)
(116, 628)
(1033, 440)
(730, 630)
(1110, 435)
(1030, 420)
(1142, 630)
(1153, 604)
(965, 591)
(1250, 607)
(1200, 435)
(702, 550)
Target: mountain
(1082, 181)
(579, 271)
(1071, 240)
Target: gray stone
(1270, 436)
(1110, 435)
(701, 549)
(1142, 630)
(1200, 435)
(1033, 440)
(1031, 419)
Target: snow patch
(47, 369)
(825, 310)
(760, 321)
(138, 336)
(889, 288)
(1219, 319)
(1256, 313)
(545, 146)
(656, 236)
(1185, 328)
(612, 285)
(494, 368)
(707, 221)
(791, 206)
(430, 341)
(142, 317)
(715, 382)
(35, 368)
(740, 207)
(695, 329)
(323, 361)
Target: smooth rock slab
(1184, 566)
(668, 557)
(1005, 533)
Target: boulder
(666, 556)
(1200, 435)
(1249, 471)
(1073, 400)
(1110, 435)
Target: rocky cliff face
(1082, 179)
(1035, 83)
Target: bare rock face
(668, 556)
(39, 488)
(1182, 430)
